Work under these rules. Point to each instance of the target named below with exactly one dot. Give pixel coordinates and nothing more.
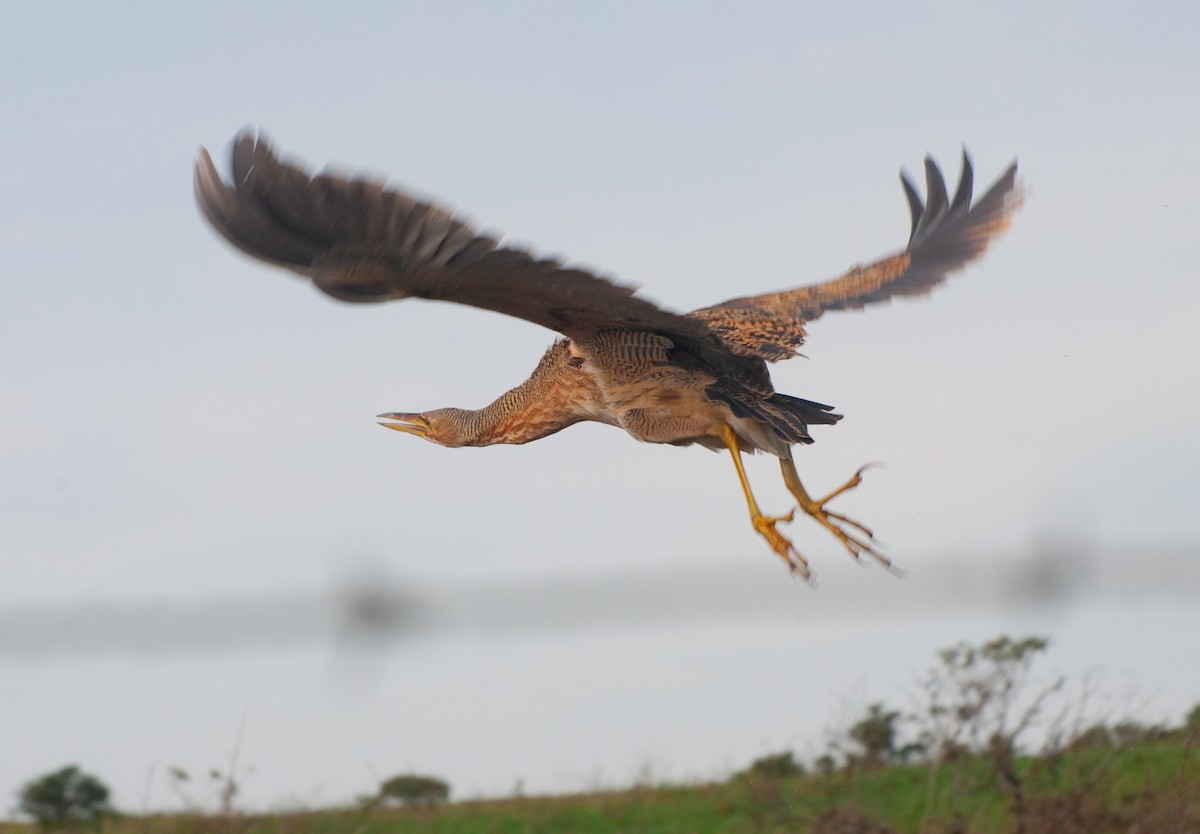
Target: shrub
(66, 796)
(875, 735)
(1191, 722)
(774, 766)
(412, 789)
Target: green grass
(1094, 790)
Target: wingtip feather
(916, 207)
(966, 185)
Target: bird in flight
(664, 377)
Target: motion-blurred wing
(946, 236)
(359, 241)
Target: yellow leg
(835, 523)
(764, 524)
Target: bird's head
(443, 426)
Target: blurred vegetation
(993, 749)
(774, 766)
(413, 790)
(64, 798)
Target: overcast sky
(181, 427)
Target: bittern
(664, 377)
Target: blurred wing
(359, 241)
(946, 236)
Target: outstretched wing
(947, 234)
(359, 241)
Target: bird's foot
(781, 544)
(856, 537)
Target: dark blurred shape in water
(372, 609)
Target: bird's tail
(789, 417)
(792, 416)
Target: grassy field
(949, 768)
(1148, 787)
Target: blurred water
(374, 609)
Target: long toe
(837, 524)
(781, 544)
(857, 538)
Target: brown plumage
(663, 377)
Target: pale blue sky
(177, 422)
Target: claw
(781, 544)
(845, 529)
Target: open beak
(407, 423)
